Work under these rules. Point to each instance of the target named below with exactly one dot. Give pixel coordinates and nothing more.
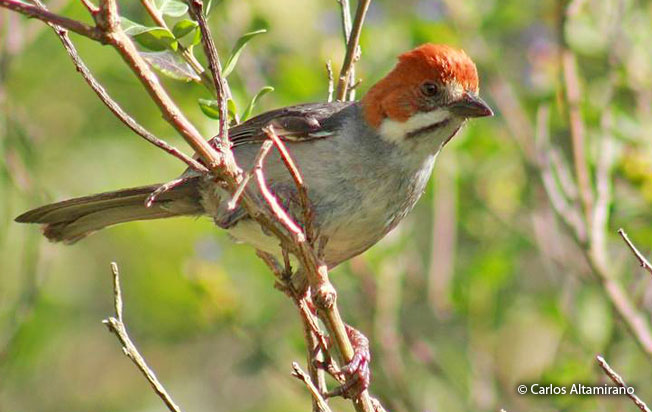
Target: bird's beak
(470, 106)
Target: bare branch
(117, 327)
(302, 376)
(196, 9)
(566, 211)
(48, 17)
(600, 216)
(331, 86)
(573, 96)
(352, 50)
(271, 200)
(113, 106)
(165, 188)
(90, 6)
(308, 213)
(185, 53)
(258, 162)
(645, 264)
(620, 382)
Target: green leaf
(184, 27)
(171, 64)
(210, 108)
(172, 8)
(237, 49)
(132, 28)
(157, 39)
(231, 107)
(207, 8)
(153, 37)
(197, 39)
(252, 103)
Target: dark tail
(74, 219)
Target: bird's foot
(356, 374)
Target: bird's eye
(429, 89)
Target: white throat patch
(395, 132)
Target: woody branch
(220, 163)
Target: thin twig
(117, 327)
(90, 6)
(331, 85)
(222, 164)
(108, 21)
(182, 50)
(112, 105)
(304, 201)
(352, 50)
(603, 170)
(573, 96)
(272, 201)
(620, 382)
(258, 162)
(645, 264)
(565, 210)
(165, 188)
(302, 376)
(345, 11)
(48, 17)
(196, 9)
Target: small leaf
(172, 8)
(231, 107)
(252, 103)
(132, 28)
(183, 28)
(210, 108)
(197, 39)
(237, 49)
(171, 65)
(207, 8)
(157, 39)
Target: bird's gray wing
(293, 124)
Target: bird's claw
(356, 373)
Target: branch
(108, 20)
(117, 327)
(258, 163)
(352, 49)
(645, 264)
(620, 382)
(48, 17)
(112, 105)
(271, 200)
(302, 376)
(222, 164)
(185, 53)
(196, 10)
(566, 211)
(573, 96)
(304, 201)
(331, 87)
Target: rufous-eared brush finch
(365, 163)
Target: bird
(365, 164)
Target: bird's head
(430, 92)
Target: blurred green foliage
(478, 290)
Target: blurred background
(481, 288)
